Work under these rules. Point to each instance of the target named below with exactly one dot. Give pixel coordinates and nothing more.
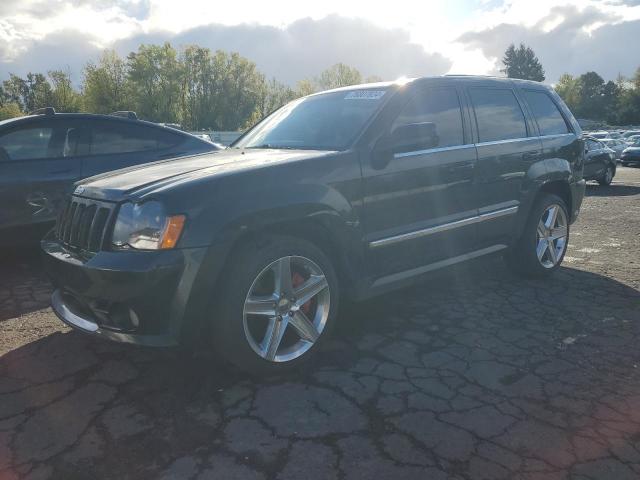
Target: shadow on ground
(471, 374)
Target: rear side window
(113, 138)
(498, 114)
(26, 144)
(439, 106)
(550, 120)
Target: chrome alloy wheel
(286, 309)
(551, 236)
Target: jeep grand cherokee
(341, 194)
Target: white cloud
(465, 36)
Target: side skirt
(390, 281)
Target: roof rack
(44, 111)
(125, 114)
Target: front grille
(83, 224)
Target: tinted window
(549, 118)
(498, 114)
(439, 106)
(26, 143)
(111, 138)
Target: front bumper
(130, 296)
(577, 194)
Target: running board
(397, 277)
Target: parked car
(632, 139)
(600, 162)
(629, 133)
(341, 194)
(599, 135)
(207, 137)
(616, 145)
(631, 155)
(42, 155)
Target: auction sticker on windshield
(364, 95)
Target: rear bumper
(134, 297)
(577, 195)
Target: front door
(418, 207)
(38, 165)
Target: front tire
(608, 175)
(279, 302)
(545, 237)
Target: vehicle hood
(633, 150)
(122, 184)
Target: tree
(339, 75)
(305, 87)
(154, 80)
(105, 84)
(591, 104)
(10, 110)
(30, 93)
(522, 63)
(64, 98)
(568, 88)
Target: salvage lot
(472, 374)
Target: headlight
(145, 226)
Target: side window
(498, 114)
(27, 143)
(592, 145)
(550, 120)
(437, 106)
(116, 137)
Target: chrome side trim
(508, 140)
(383, 242)
(381, 282)
(67, 316)
(471, 145)
(433, 150)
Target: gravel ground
(473, 374)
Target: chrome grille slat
(84, 224)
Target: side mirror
(415, 136)
(404, 138)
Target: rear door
(39, 161)
(507, 146)
(119, 144)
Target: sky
(292, 40)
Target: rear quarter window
(550, 120)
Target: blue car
(43, 154)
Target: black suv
(345, 193)
(42, 155)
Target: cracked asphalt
(472, 374)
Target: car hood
(631, 150)
(122, 184)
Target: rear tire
(543, 244)
(284, 332)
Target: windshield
(329, 121)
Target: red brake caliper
(296, 281)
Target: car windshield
(329, 121)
